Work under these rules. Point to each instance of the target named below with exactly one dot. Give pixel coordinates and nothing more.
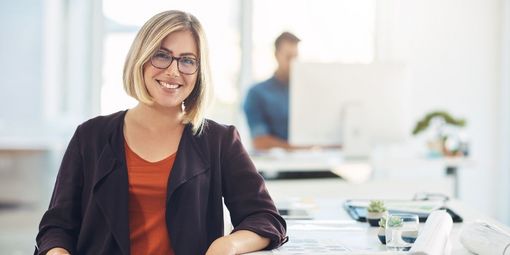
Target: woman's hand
(222, 246)
(239, 242)
(57, 251)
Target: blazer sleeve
(246, 197)
(61, 223)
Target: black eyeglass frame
(172, 58)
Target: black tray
(359, 213)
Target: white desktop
(353, 105)
(332, 229)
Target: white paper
(485, 239)
(434, 237)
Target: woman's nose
(173, 69)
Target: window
(331, 31)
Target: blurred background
(61, 64)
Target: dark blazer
(88, 212)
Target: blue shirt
(267, 109)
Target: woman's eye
(188, 61)
(162, 55)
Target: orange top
(147, 203)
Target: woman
(150, 180)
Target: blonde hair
(147, 42)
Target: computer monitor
(353, 105)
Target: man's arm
(266, 142)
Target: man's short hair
(285, 37)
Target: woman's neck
(156, 118)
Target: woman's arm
(251, 208)
(60, 224)
(58, 251)
(239, 242)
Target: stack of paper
(485, 239)
(434, 237)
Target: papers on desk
(485, 239)
(329, 237)
(434, 238)
(348, 237)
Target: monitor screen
(353, 105)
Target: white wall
(504, 132)
(453, 50)
(49, 66)
(20, 62)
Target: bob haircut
(148, 41)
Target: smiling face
(169, 87)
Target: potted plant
(408, 236)
(381, 232)
(393, 227)
(375, 211)
(401, 231)
(446, 140)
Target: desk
(356, 170)
(332, 210)
(273, 162)
(281, 160)
(451, 165)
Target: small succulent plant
(376, 206)
(395, 222)
(381, 234)
(382, 222)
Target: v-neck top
(147, 203)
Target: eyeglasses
(185, 65)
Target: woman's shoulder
(214, 130)
(213, 126)
(215, 137)
(103, 123)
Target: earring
(183, 107)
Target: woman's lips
(168, 85)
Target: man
(267, 103)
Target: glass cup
(401, 231)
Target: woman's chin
(168, 105)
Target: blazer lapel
(111, 191)
(189, 162)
